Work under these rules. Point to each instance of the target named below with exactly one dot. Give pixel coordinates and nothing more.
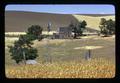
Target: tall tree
(22, 49)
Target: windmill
(49, 27)
(47, 54)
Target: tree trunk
(24, 57)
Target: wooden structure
(63, 33)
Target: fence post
(89, 53)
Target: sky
(64, 9)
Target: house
(66, 33)
(63, 33)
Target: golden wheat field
(97, 68)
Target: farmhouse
(66, 33)
(63, 33)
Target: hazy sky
(64, 9)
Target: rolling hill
(93, 21)
(19, 21)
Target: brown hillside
(16, 21)
(19, 21)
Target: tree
(22, 49)
(78, 28)
(111, 26)
(81, 27)
(102, 26)
(35, 32)
(107, 27)
(18, 51)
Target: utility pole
(88, 53)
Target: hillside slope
(93, 22)
(19, 21)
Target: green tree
(78, 28)
(22, 49)
(102, 26)
(81, 27)
(35, 32)
(111, 26)
(107, 27)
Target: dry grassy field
(67, 62)
(95, 68)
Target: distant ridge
(65, 14)
(35, 12)
(96, 15)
